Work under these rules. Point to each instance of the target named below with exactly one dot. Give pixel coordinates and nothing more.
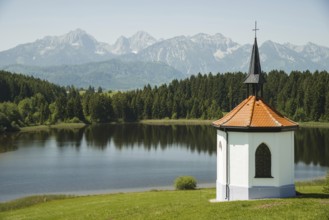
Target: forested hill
(15, 87)
(302, 96)
(25, 100)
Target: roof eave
(256, 129)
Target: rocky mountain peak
(141, 40)
(78, 38)
(137, 42)
(121, 46)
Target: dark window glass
(263, 162)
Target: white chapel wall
(239, 160)
(221, 157)
(287, 163)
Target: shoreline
(313, 124)
(55, 126)
(176, 121)
(153, 122)
(107, 191)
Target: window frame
(263, 161)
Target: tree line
(25, 101)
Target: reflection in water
(7, 143)
(312, 146)
(66, 137)
(193, 137)
(11, 142)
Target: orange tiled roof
(254, 113)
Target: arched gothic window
(263, 162)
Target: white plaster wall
(221, 166)
(286, 158)
(221, 157)
(239, 159)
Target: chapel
(255, 145)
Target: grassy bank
(177, 122)
(314, 124)
(311, 204)
(58, 126)
(155, 122)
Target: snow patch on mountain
(219, 54)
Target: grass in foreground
(312, 204)
(30, 201)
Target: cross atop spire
(256, 29)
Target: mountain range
(78, 55)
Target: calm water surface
(130, 157)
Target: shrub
(74, 120)
(185, 182)
(326, 184)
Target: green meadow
(311, 203)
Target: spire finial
(256, 29)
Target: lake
(127, 157)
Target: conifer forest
(27, 101)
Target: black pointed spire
(255, 77)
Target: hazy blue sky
(294, 21)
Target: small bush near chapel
(185, 182)
(326, 184)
